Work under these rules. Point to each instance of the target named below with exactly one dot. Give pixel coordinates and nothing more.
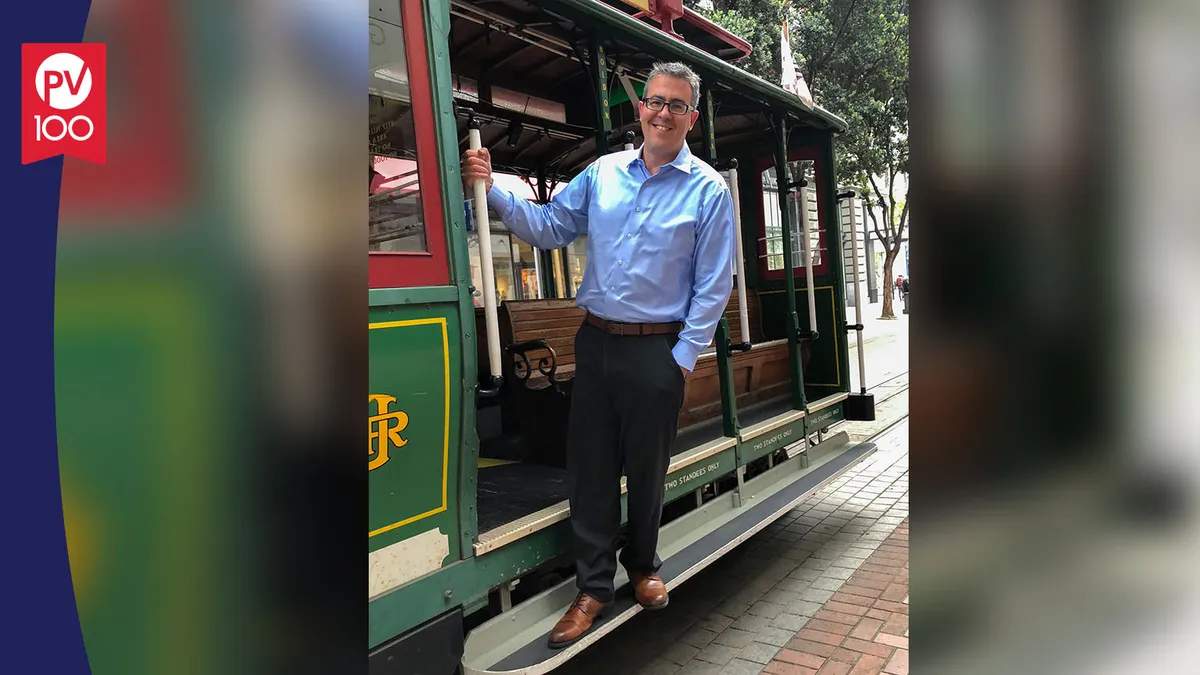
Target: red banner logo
(63, 101)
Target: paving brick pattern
(824, 589)
(863, 629)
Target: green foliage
(854, 57)
(755, 21)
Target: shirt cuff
(497, 199)
(686, 354)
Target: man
(660, 234)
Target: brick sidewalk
(837, 562)
(863, 628)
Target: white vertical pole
(485, 260)
(740, 262)
(560, 271)
(537, 272)
(808, 266)
(862, 362)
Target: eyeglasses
(675, 107)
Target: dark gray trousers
(625, 404)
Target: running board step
(516, 641)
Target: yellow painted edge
(487, 462)
(446, 429)
(389, 528)
(408, 322)
(837, 360)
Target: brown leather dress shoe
(577, 620)
(649, 590)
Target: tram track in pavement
(891, 407)
(888, 382)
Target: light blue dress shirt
(660, 247)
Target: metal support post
(708, 126)
(808, 253)
(793, 322)
(483, 224)
(861, 406)
(740, 261)
(725, 380)
(858, 327)
(506, 595)
(599, 66)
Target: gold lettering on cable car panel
(384, 429)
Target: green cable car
(471, 329)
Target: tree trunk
(870, 212)
(889, 257)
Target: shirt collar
(682, 161)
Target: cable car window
(397, 221)
(801, 250)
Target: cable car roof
(519, 67)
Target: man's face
(663, 130)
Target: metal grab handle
(740, 258)
(808, 256)
(493, 389)
(489, 280)
(858, 325)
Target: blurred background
(211, 347)
(211, 341)
(1055, 350)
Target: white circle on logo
(70, 81)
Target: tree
(854, 57)
(755, 21)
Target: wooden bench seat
(537, 340)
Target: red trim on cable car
(812, 153)
(430, 268)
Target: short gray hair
(681, 72)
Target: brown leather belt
(621, 328)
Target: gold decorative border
(440, 321)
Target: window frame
(807, 153)
(397, 269)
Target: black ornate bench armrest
(523, 369)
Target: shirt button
(639, 208)
(621, 262)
